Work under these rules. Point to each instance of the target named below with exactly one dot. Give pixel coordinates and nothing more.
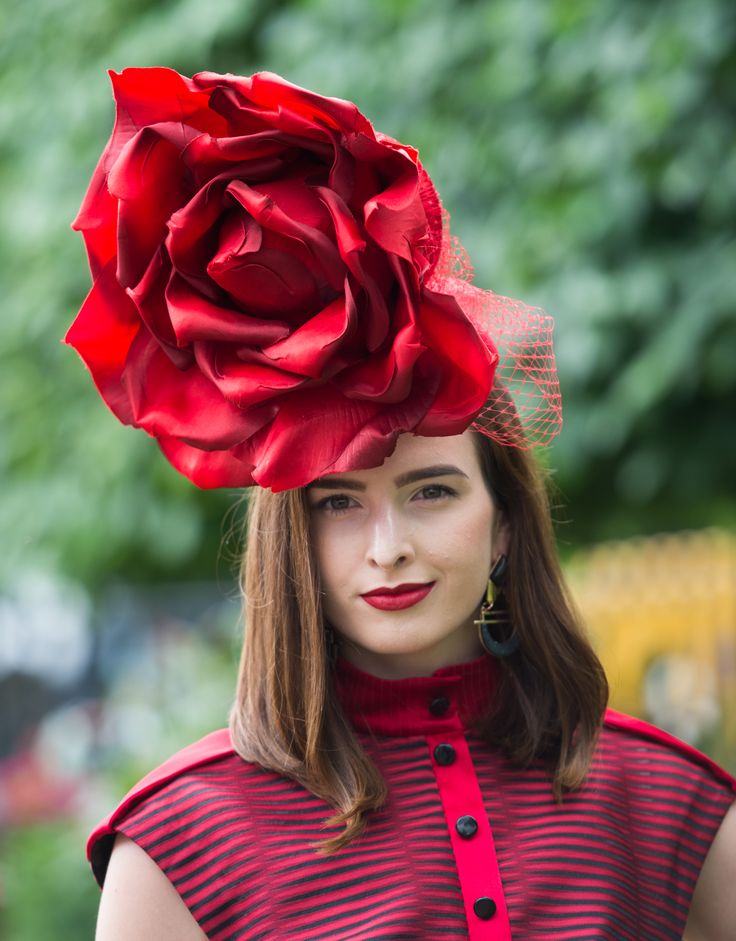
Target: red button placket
(470, 834)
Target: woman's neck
(402, 665)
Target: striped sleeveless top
(467, 846)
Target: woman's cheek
(335, 551)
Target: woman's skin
(384, 531)
(139, 903)
(425, 515)
(713, 908)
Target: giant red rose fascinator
(276, 294)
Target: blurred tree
(584, 150)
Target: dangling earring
(494, 613)
(331, 644)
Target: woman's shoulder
(139, 900)
(209, 751)
(204, 820)
(634, 743)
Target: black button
(444, 754)
(484, 907)
(439, 705)
(466, 826)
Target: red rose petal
(396, 218)
(192, 238)
(351, 246)
(468, 368)
(387, 141)
(151, 183)
(320, 431)
(265, 211)
(297, 199)
(150, 299)
(194, 318)
(181, 403)
(308, 435)
(97, 220)
(244, 383)
(146, 96)
(377, 282)
(269, 90)
(102, 333)
(143, 97)
(255, 157)
(309, 347)
(284, 124)
(265, 273)
(206, 469)
(239, 236)
(386, 378)
(273, 284)
(349, 238)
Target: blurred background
(585, 151)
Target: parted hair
(551, 696)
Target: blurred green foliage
(46, 883)
(584, 150)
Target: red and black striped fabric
(466, 847)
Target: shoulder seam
(642, 729)
(210, 748)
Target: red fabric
(617, 860)
(476, 859)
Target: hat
(276, 294)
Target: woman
(277, 301)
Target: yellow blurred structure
(661, 612)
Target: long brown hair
(286, 716)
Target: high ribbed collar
(416, 705)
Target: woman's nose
(390, 542)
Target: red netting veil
(276, 294)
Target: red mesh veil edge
(525, 406)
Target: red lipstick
(402, 596)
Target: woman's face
(425, 519)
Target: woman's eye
(337, 503)
(436, 492)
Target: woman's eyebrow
(422, 473)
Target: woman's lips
(394, 601)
